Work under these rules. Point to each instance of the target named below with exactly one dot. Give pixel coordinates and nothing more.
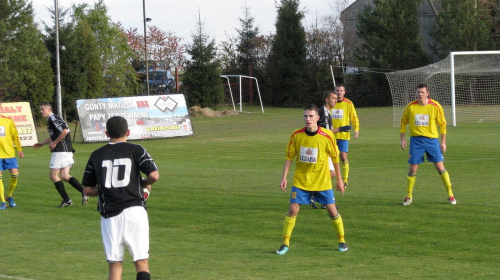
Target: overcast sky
(221, 17)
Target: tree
(493, 6)
(202, 74)
(80, 64)
(112, 48)
(391, 33)
(324, 48)
(247, 42)
(286, 70)
(462, 26)
(228, 55)
(25, 73)
(94, 59)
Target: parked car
(161, 80)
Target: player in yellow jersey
(343, 113)
(9, 138)
(424, 115)
(311, 146)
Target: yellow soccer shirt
(311, 151)
(343, 113)
(424, 120)
(8, 138)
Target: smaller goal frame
(241, 91)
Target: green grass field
(217, 211)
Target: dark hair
(327, 94)
(340, 85)
(116, 127)
(47, 104)
(311, 107)
(423, 86)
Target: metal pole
(58, 67)
(145, 45)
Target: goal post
(467, 84)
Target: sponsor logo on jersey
(421, 120)
(338, 114)
(309, 155)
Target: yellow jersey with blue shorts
(343, 113)
(423, 121)
(311, 151)
(9, 138)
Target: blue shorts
(420, 145)
(301, 196)
(343, 145)
(8, 163)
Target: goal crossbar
(467, 84)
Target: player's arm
(286, 168)
(402, 129)
(90, 191)
(443, 143)
(403, 141)
(59, 138)
(16, 140)
(151, 179)
(340, 182)
(40, 144)
(355, 122)
(341, 129)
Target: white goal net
(467, 84)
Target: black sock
(143, 275)
(74, 182)
(60, 188)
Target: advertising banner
(20, 113)
(154, 116)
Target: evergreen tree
(25, 73)
(115, 55)
(202, 73)
(493, 6)
(247, 42)
(391, 33)
(462, 26)
(286, 64)
(80, 68)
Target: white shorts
(131, 228)
(60, 160)
(330, 164)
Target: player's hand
(37, 145)
(21, 154)
(340, 186)
(356, 134)
(344, 128)
(403, 145)
(443, 147)
(283, 184)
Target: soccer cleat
(3, 206)
(323, 206)
(343, 247)
(345, 185)
(65, 203)
(11, 202)
(85, 200)
(407, 201)
(313, 204)
(282, 250)
(452, 200)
